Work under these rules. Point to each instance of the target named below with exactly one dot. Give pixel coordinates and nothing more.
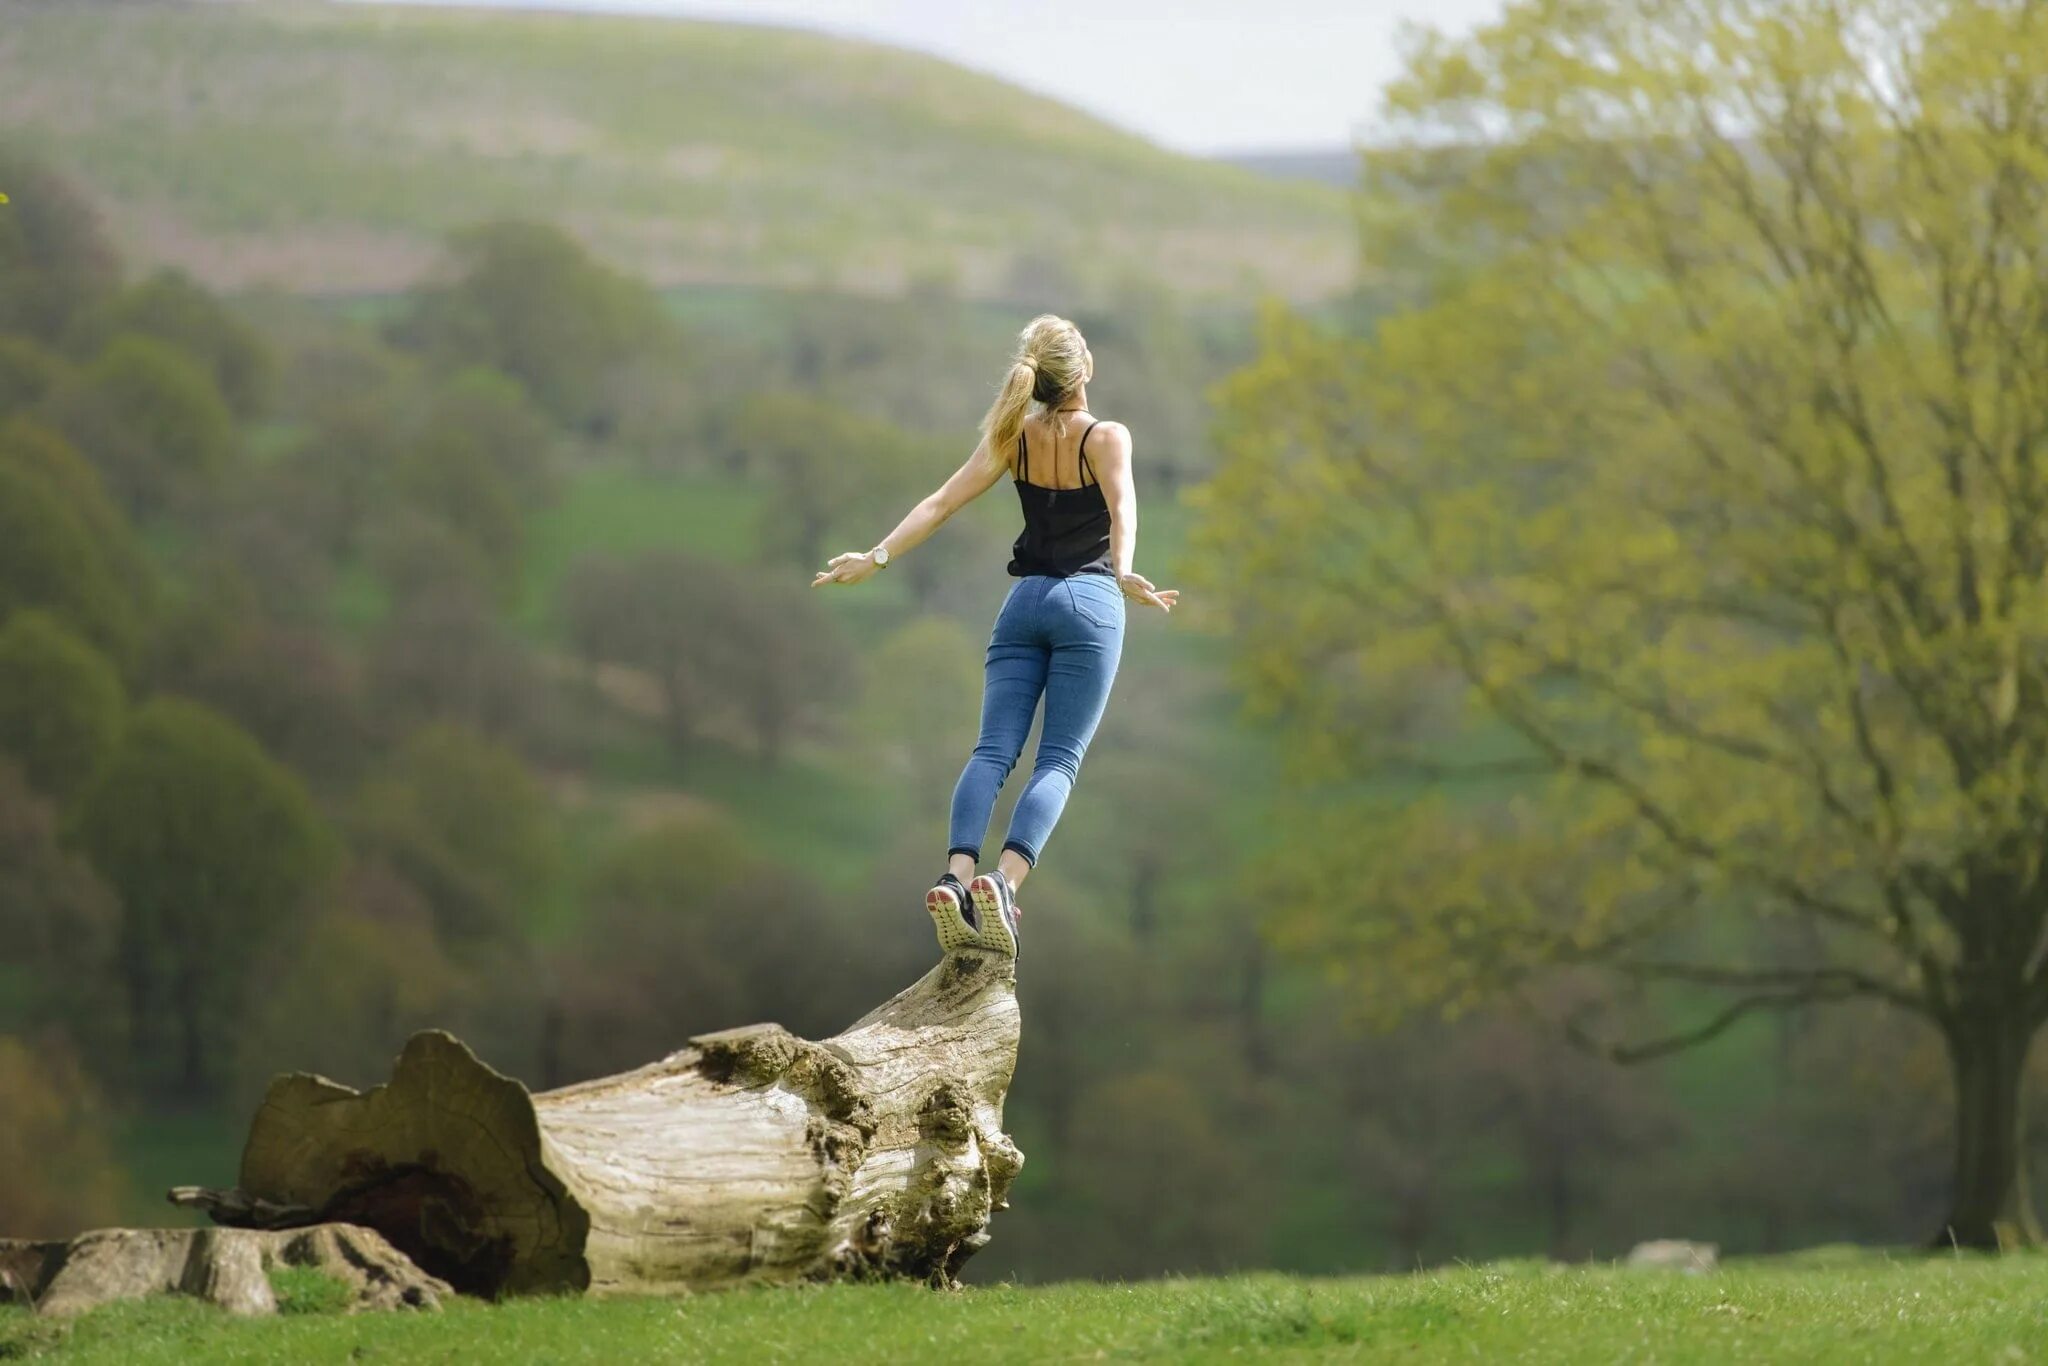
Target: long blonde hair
(1051, 362)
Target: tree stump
(226, 1266)
(750, 1155)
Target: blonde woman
(1060, 632)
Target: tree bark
(1989, 1204)
(226, 1266)
(750, 1155)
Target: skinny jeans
(1059, 637)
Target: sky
(1201, 76)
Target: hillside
(326, 147)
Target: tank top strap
(1023, 455)
(1084, 452)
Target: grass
(328, 147)
(1858, 1307)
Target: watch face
(881, 554)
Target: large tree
(528, 299)
(212, 845)
(1699, 455)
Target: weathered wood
(225, 1266)
(751, 1155)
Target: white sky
(1195, 75)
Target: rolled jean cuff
(972, 853)
(1030, 856)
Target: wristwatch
(880, 555)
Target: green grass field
(327, 148)
(1851, 1307)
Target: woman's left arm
(976, 476)
(1112, 465)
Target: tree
(49, 559)
(782, 662)
(917, 712)
(212, 845)
(151, 418)
(60, 703)
(61, 924)
(61, 1177)
(685, 926)
(442, 655)
(43, 453)
(1701, 461)
(451, 480)
(29, 373)
(527, 299)
(488, 413)
(464, 821)
(653, 612)
(829, 467)
(341, 994)
(54, 260)
(175, 309)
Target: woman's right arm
(1112, 466)
(976, 476)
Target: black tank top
(1066, 531)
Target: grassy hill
(325, 147)
(1855, 1307)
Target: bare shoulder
(1111, 437)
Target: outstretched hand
(851, 567)
(1138, 588)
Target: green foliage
(173, 308)
(451, 479)
(829, 468)
(347, 988)
(151, 418)
(29, 373)
(61, 925)
(61, 1179)
(527, 299)
(714, 643)
(909, 714)
(465, 822)
(50, 559)
(1692, 458)
(213, 847)
(43, 452)
(489, 412)
(686, 926)
(54, 260)
(60, 703)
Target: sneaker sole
(954, 931)
(988, 906)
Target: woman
(1060, 632)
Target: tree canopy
(213, 847)
(1680, 525)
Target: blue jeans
(1061, 637)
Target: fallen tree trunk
(751, 1155)
(226, 1266)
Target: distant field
(1859, 1308)
(326, 147)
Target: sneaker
(996, 912)
(952, 911)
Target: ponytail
(1005, 420)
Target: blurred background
(418, 427)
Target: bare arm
(976, 476)
(1111, 461)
